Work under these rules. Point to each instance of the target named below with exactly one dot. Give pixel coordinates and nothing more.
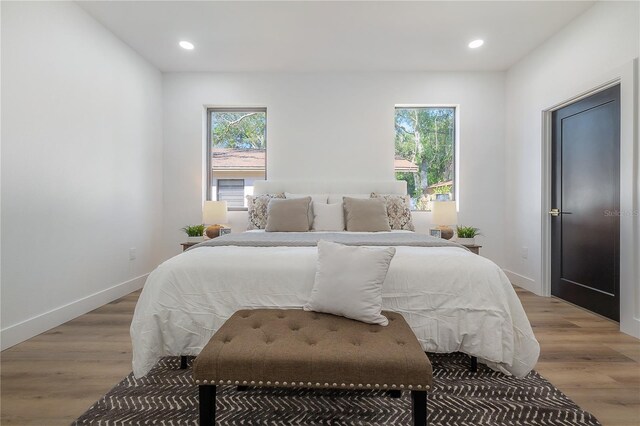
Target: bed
(453, 299)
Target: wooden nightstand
(189, 244)
(473, 248)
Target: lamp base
(212, 231)
(445, 232)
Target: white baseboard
(523, 282)
(26, 329)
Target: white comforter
(452, 299)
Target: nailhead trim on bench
(315, 385)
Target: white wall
(82, 142)
(336, 126)
(81, 166)
(596, 47)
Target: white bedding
(452, 299)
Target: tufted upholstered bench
(295, 348)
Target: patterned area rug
(167, 396)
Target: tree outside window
(425, 137)
(238, 129)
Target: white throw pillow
(328, 217)
(349, 281)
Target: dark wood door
(585, 231)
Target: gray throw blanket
(310, 239)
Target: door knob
(556, 212)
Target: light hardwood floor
(54, 377)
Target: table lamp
(444, 214)
(214, 213)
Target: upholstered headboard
(328, 187)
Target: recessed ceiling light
(186, 45)
(476, 43)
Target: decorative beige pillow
(398, 210)
(366, 215)
(349, 281)
(328, 217)
(288, 215)
(315, 198)
(257, 206)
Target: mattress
(452, 299)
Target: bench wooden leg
(419, 402)
(474, 364)
(207, 397)
(183, 362)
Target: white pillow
(328, 217)
(349, 281)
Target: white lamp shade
(214, 212)
(444, 213)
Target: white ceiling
(333, 36)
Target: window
(236, 153)
(231, 191)
(425, 153)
